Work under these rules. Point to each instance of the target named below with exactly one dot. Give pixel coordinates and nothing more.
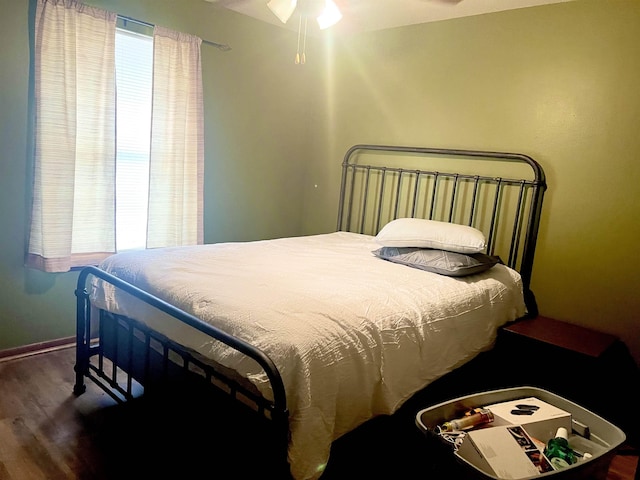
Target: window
(134, 77)
(119, 138)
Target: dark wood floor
(48, 433)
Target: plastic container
(602, 441)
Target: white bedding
(352, 335)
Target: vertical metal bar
(396, 210)
(537, 195)
(185, 363)
(493, 215)
(87, 327)
(382, 182)
(165, 361)
(473, 200)
(515, 235)
(114, 364)
(130, 360)
(343, 186)
(434, 188)
(453, 197)
(83, 335)
(147, 356)
(101, 334)
(364, 201)
(414, 207)
(350, 203)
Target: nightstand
(591, 368)
(566, 336)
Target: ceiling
(368, 15)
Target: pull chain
(301, 57)
(298, 50)
(304, 42)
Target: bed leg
(79, 388)
(82, 360)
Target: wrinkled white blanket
(352, 335)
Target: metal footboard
(125, 358)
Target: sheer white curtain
(177, 142)
(73, 212)
(72, 219)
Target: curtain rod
(221, 46)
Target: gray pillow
(443, 262)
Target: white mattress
(352, 335)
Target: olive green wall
(560, 83)
(557, 82)
(255, 130)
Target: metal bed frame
(126, 358)
(444, 192)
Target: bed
(317, 334)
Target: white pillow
(421, 233)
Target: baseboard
(36, 348)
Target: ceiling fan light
(329, 16)
(283, 9)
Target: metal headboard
(499, 193)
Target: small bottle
(468, 421)
(558, 450)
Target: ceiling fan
(326, 12)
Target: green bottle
(558, 450)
